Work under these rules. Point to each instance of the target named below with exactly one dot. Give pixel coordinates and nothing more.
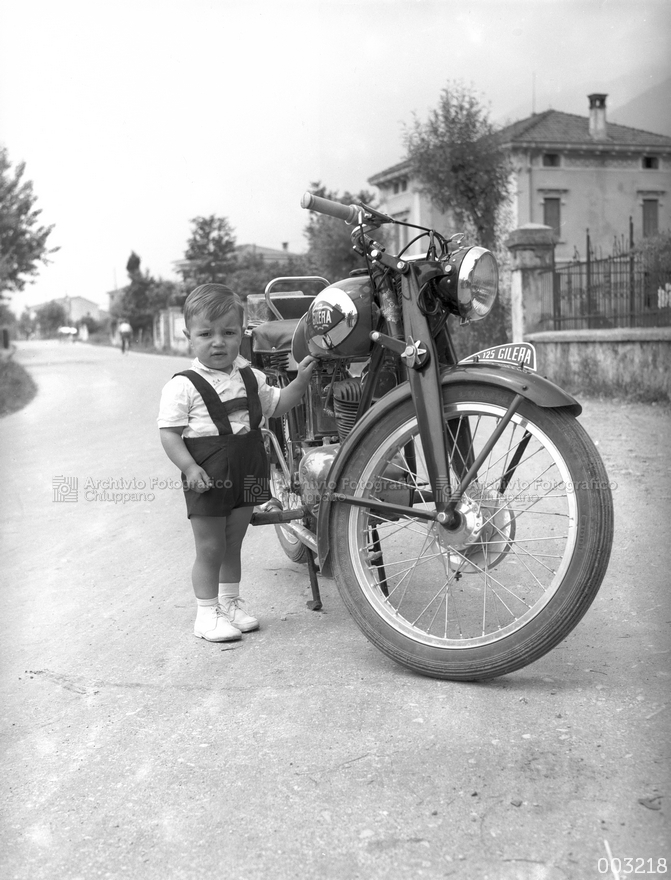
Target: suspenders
(219, 410)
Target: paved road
(132, 749)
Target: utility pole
(533, 93)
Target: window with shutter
(552, 215)
(650, 217)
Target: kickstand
(315, 604)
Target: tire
(282, 490)
(518, 574)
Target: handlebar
(348, 213)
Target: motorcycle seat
(272, 336)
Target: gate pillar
(532, 250)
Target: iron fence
(625, 289)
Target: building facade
(571, 173)
(169, 330)
(401, 197)
(76, 308)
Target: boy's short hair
(214, 301)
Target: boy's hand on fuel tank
(305, 368)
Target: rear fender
(530, 385)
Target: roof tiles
(556, 127)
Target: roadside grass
(17, 388)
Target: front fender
(533, 387)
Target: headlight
(471, 287)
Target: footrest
(274, 517)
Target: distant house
(266, 254)
(115, 297)
(76, 308)
(401, 197)
(571, 173)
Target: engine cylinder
(346, 397)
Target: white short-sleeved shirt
(182, 406)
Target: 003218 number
(631, 866)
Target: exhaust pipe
(305, 536)
(272, 513)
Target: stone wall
(633, 363)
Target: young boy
(209, 421)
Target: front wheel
(516, 574)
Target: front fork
(421, 358)
(424, 378)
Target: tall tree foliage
(460, 163)
(134, 305)
(50, 317)
(329, 244)
(252, 274)
(145, 296)
(464, 170)
(23, 242)
(210, 252)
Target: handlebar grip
(348, 213)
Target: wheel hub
(484, 534)
(469, 525)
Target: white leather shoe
(238, 615)
(213, 625)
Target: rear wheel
(281, 488)
(518, 572)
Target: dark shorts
(238, 466)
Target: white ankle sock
(228, 591)
(206, 603)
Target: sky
(135, 117)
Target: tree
(210, 253)
(656, 251)
(145, 296)
(8, 320)
(460, 163)
(252, 274)
(27, 323)
(162, 294)
(50, 317)
(23, 243)
(329, 243)
(134, 304)
(463, 169)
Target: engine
(335, 395)
(346, 397)
(331, 403)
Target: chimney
(597, 117)
(285, 245)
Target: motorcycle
(463, 511)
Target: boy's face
(216, 343)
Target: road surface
(132, 749)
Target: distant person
(209, 420)
(126, 332)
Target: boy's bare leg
(209, 533)
(236, 528)
(212, 623)
(229, 574)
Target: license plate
(518, 354)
